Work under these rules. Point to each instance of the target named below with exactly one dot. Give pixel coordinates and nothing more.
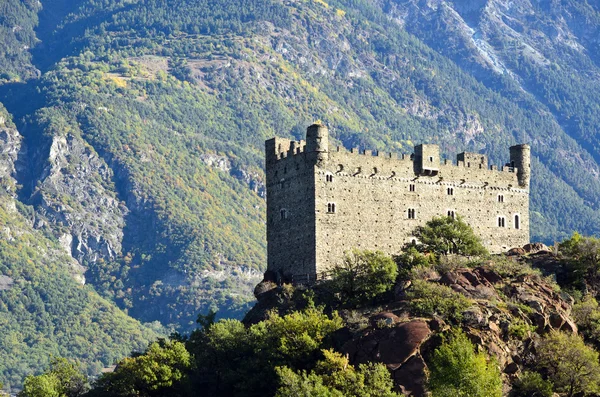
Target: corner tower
(317, 143)
(520, 158)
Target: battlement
(323, 201)
(424, 161)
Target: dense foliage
(335, 377)
(457, 371)
(44, 312)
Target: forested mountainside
(143, 121)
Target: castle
(323, 201)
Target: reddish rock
(411, 377)
(491, 276)
(516, 252)
(534, 248)
(387, 319)
(391, 346)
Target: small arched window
(517, 222)
(500, 198)
(451, 214)
(331, 208)
(283, 213)
(501, 221)
(411, 187)
(411, 213)
(329, 178)
(450, 191)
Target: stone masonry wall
(339, 200)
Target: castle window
(329, 178)
(297, 166)
(517, 222)
(411, 187)
(331, 208)
(431, 159)
(501, 221)
(500, 198)
(451, 214)
(283, 213)
(285, 169)
(411, 213)
(450, 191)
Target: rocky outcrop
(10, 147)
(75, 194)
(507, 317)
(398, 345)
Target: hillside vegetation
(141, 123)
(419, 324)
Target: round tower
(520, 157)
(317, 141)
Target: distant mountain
(143, 121)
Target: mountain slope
(143, 136)
(45, 309)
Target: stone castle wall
(338, 200)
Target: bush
(457, 371)
(427, 299)
(362, 276)
(520, 329)
(446, 235)
(531, 384)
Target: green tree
(457, 371)
(62, 379)
(363, 275)
(162, 369)
(447, 235)
(333, 377)
(582, 259)
(45, 385)
(572, 366)
(236, 360)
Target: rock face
(397, 346)
(75, 191)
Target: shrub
(363, 275)
(531, 384)
(457, 371)
(427, 299)
(520, 329)
(412, 259)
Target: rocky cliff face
(75, 193)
